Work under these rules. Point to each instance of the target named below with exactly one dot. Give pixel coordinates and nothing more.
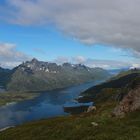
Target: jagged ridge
(37, 75)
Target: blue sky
(47, 43)
(57, 39)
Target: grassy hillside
(125, 73)
(116, 86)
(80, 127)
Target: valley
(116, 115)
(69, 70)
(31, 78)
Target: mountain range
(37, 75)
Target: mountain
(4, 76)
(117, 97)
(123, 90)
(37, 75)
(99, 92)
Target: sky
(96, 33)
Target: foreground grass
(79, 127)
(9, 97)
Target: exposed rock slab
(130, 103)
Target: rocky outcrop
(130, 103)
(91, 109)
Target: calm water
(49, 104)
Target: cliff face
(130, 103)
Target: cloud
(135, 54)
(9, 56)
(79, 59)
(111, 22)
(108, 64)
(105, 64)
(60, 60)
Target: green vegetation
(125, 73)
(9, 97)
(80, 127)
(40, 80)
(119, 87)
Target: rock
(91, 109)
(94, 123)
(130, 103)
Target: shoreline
(5, 128)
(29, 95)
(11, 98)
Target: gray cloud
(111, 22)
(10, 57)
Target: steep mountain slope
(123, 90)
(36, 75)
(117, 86)
(5, 75)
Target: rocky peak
(34, 60)
(36, 65)
(81, 67)
(66, 65)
